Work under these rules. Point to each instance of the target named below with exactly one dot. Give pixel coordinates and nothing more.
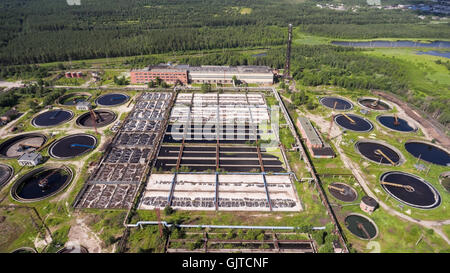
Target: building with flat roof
(225, 74)
(30, 159)
(203, 74)
(84, 105)
(313, 141)
(168, 73)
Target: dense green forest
(38, 31)
(339, 66)
(35, 31)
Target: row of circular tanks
(46, 181)
(404, 187)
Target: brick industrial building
(167, 73)
(313, 141)
(203, 74)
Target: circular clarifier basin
(410, 190)
(41, 183)
(379, 152)
(21, 144)
(361, 226)
(24, 250)
(52, 118)
(72, 146)
(374, 104)
(428, 152)
(112, 99)
(396, 124)
(336, 103)
(73, 98)
(342, 192)
(99, 119)
(6, 173)
(353, 123)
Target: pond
(433, 44)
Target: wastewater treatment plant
(239, 153)
(269, 128)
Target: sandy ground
(81, 234)
(9, 85)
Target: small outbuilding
(84, 105)
(30, 159)
(368, 204)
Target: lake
(445, 54)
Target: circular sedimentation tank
(41, 183)
(101, 119)
(72, 146)
(342, 192)
(24, 250)
(73, 249)
(52, 118)
(410, 189)
(428, 152)
(72, 99)
(6, 173)
(374, 104)
(353, 123)
(21, 144)
(112, 99)
(361, 226)
(399, 124)
(336, 103)
(379, 152)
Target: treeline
(48, 46)
(51, 30)
(23, 71)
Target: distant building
(225, 74)
(167, 73)
(78, 74)
(30, 159)
(203, 74)
(316, 146)
(84, 105)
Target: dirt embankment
(431, 128)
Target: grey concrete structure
(30, 159)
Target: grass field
(424, 74)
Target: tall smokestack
(287, 68)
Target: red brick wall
(147, 76)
